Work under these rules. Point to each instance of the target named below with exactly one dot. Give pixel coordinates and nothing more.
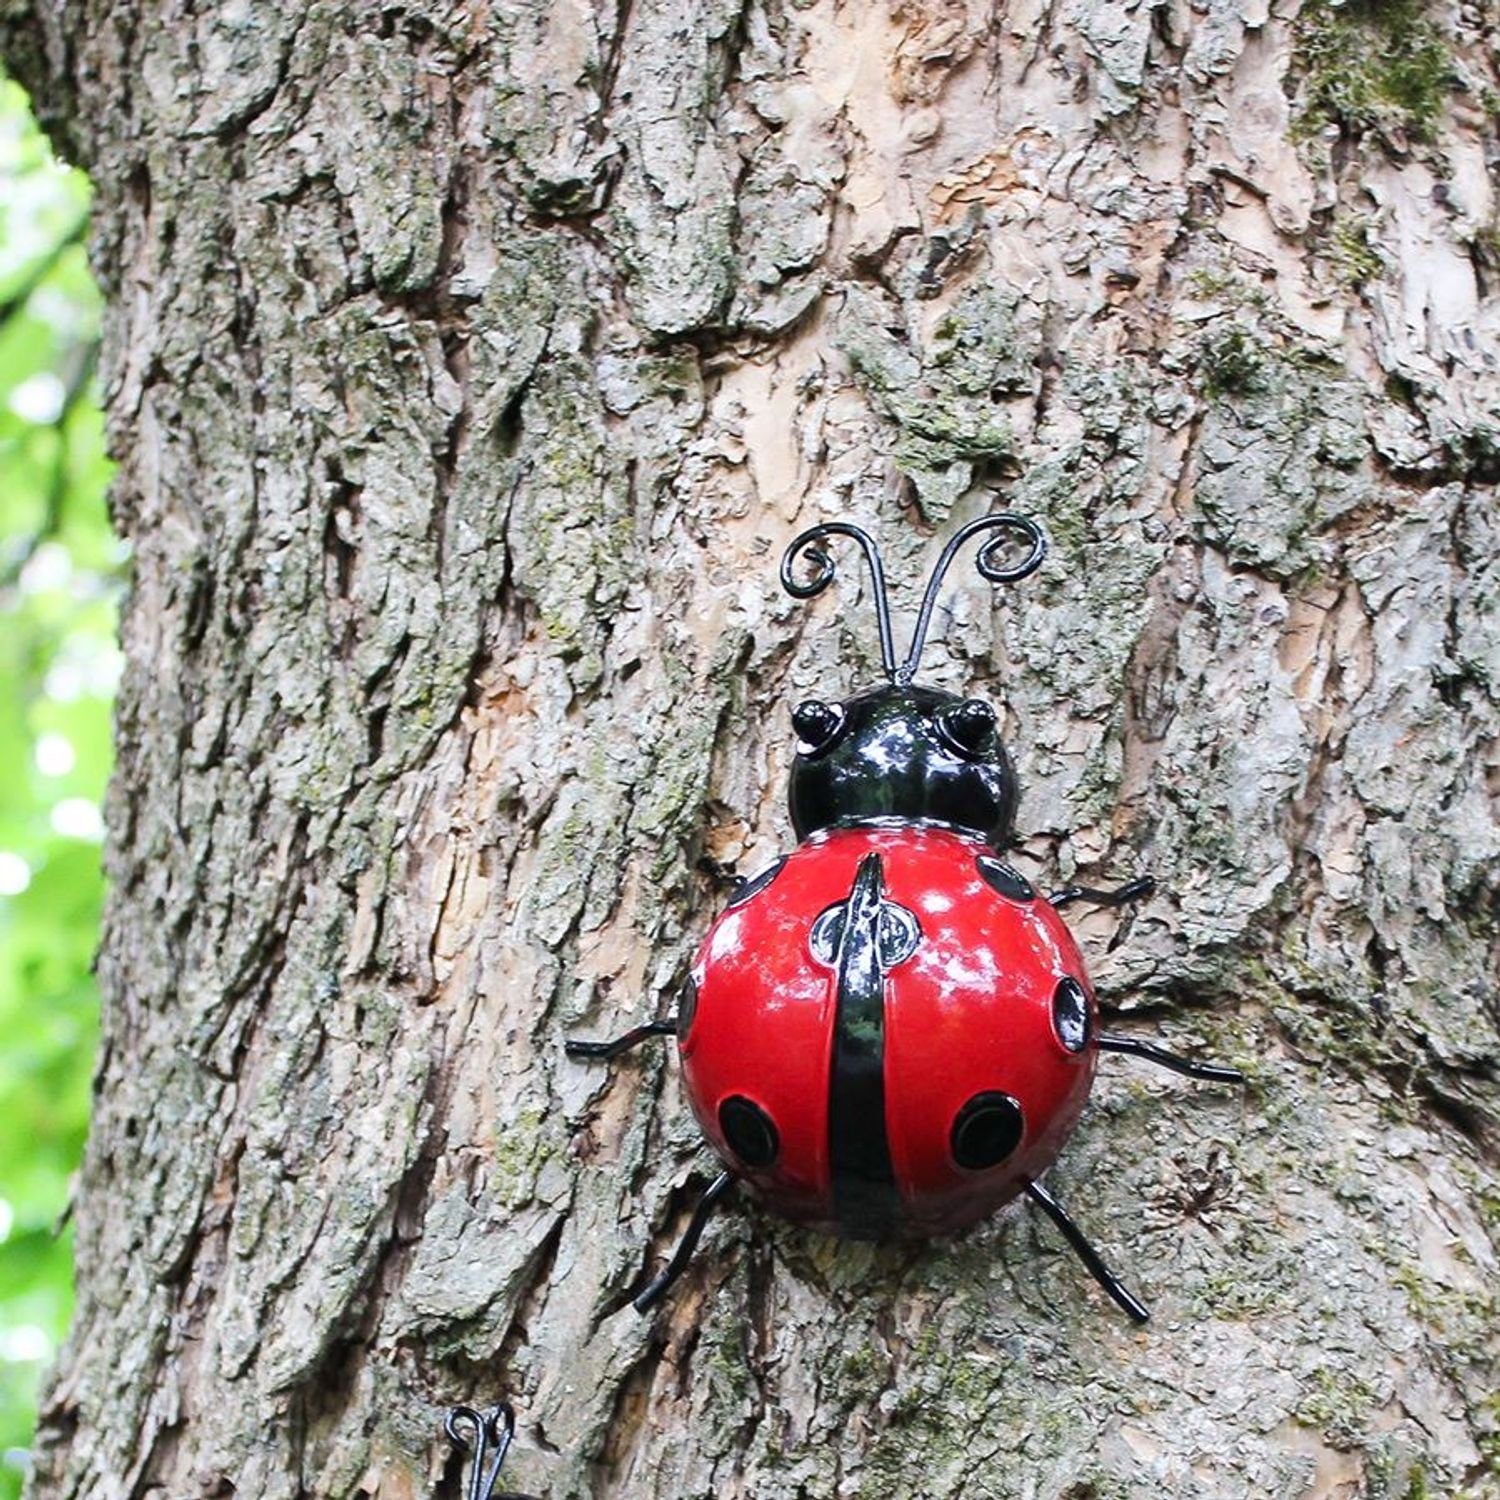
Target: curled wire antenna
(806, 547)
(492, 1428)
(990, 562)
(990, 565)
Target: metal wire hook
(495, 1426)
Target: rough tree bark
(468, 366)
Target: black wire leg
(1086, 1252)
(619, 1044)
(1133, 890)
(493, 1427)
(1135, 1047)
(658, 1287)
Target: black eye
(988, 1128)
(968, 727)
(817, 725)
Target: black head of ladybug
(912, 753)
(901, 751)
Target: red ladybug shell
(844, 1083)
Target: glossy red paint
(970, 1010)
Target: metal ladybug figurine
(888, 1033)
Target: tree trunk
(469, 366)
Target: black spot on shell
(748, 1129)
(988, 1129)
(1000, 877)
(1070, 1014)
(756, 883)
